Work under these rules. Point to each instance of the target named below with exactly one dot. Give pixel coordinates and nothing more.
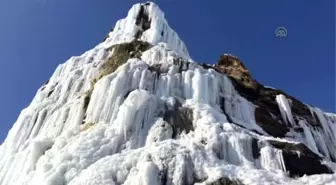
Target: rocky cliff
(136, 109)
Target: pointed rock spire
(146, 22)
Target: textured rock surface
(137, 110)
(300, 160)
(263, 97)
(225, 181)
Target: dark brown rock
(50, 92)
(263, 97)
(180, 118)
(157, 69)
(181, 64)
(255, 149)
(225, 181)
(232, 67)
(142, 20)
(269, 124)
(122, 52)
(86, 102)
(300, 160)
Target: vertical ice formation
(309, 137)
(158, 118)
(155, 31)
(285, 109)
(272, 159)
(326, 134)
(320, 139)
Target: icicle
(271, 159)
(329, 139)
(236, 149)
(309, 137)
(200, 86)
(159, 31)
(187, 84)
(285, 109)
(38, 124)
(128, 141)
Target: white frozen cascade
(145, 127)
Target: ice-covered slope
(136, 109)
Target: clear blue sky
(37, 35)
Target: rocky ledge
(267, 114)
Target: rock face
(267, 113)
(136, 109)
(224, 181)
(180, 118)
(300, 160)
(232, 67)
(269, 123)
(264, 97)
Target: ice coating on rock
(285, 109)
(327, 133)
(272, 159)
(120, 129)
(321, 139)
(309, 137)
(159, 31)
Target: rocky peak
(142, 19)
(146, 22)
(234, 68)
(267, 114)
(137, 110)
(232, 65)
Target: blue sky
(37, 35)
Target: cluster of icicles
(120, 136)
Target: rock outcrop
(264, 97)
(137, 110)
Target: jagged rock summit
(136, 109)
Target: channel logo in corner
(281, 32)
